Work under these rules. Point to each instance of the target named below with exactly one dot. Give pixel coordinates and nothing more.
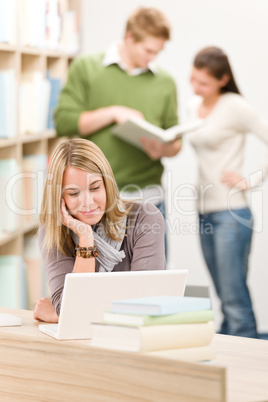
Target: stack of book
(168, 326)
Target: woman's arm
(57, 265)
(147, 239)
(252, 122)
(86, 239)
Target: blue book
(160, 305)
(55, 85)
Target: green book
(142, 320)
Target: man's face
(143, 52)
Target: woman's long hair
(216, 62)
(81, 154)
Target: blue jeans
(225, 240)
(162, 209)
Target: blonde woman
(86, 227)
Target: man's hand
(157, 150)
(44, 311)
(121, 114)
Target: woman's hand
(82, 229)
(157, 150)
(234, 180)
(44, 311)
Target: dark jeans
(225, 240)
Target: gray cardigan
(143, 247)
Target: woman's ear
(224, 80)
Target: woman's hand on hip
(234, 180)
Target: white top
(219, 145)
(112, 56)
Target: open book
(135, 128)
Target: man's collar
(112, 56)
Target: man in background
(111, 87)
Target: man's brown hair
(148, 21)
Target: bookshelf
(30, 63)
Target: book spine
(176, 336)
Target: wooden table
(35, 367)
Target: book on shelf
(193, 355)
(35, 277)
(32, 18)
(160, 305)
(34, 169)
(135, 128)
(70, 33)
(11, 194)
(12, 282)
(8, 104)
(178, 318)
(153, 337)
(48, 24)
(34, 103)
(55, 89)
(8, 21)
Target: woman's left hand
(44, 311)
(82, 229)
(235, 180)
(157, 150)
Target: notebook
(87, 295)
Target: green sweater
(90, 86)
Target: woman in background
(85, 226)
(226, 221)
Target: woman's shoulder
(145, 210)
(236, 102)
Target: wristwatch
(86, 252)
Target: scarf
(108, 249)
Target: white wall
(240, 28)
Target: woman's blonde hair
(148, 21)
(82, 154)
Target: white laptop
(87, 295)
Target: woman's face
(84, 194)
(205, 85)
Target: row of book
(42, 24)
(164, 326)
(22, 190)
(22, 277)
(38, 98)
